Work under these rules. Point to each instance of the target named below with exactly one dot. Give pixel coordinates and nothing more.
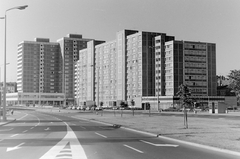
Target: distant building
(39, 73)
(85, 81)
(69, 49)
(11, 87)
(223, 88)
(145, 64)
(193, 64)
(222, 81)
(39, 67)
(224, 91)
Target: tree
(122, 104)
(187, 102)
(234, 77)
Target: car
(73, 107)
(232, 108)
(171, 109)
(98, 108)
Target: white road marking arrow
(164, 145)
(15, 148)
(47, 128)
(76, 148)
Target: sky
(214, 21)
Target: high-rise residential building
(146, 65)
(70, 46)
(39, 74)
(123, 68)
(85, 80)
(193, 64)
(39, 67)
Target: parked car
(231, 108)
(172, 109)
(98, 108)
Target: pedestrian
(12, 112)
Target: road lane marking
(100, 135)
(31, 127)
(15, 148)
(14, 135)
(7, 129)
(163, 145)
(133, 148)
(82, 127)
(22, 117)
(47, 128)
(1, 140)
(71, 139)
(25, 131)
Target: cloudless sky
(215, 21)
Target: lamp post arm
(18, 7)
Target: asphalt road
(37, 135)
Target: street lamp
(5, 48)
(97, 67)
(0, 82)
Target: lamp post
(5, 49)
(0, 82)
(97, 67)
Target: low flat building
(27, 99)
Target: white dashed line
(31, 127)
(22, 117)
(100, 135)
(25, 131)
(14, 135)
(82, 127)
(133, 148)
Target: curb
(8, 122)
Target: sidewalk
(9, 120)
